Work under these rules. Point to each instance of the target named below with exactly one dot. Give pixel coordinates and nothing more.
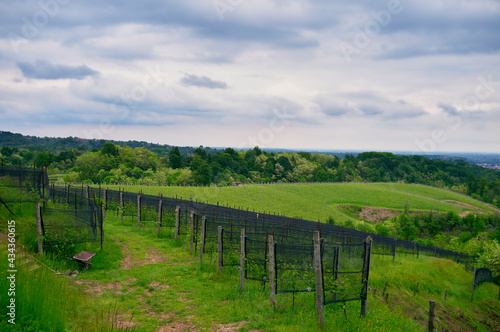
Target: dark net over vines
(284, 229)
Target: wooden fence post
(105, 201)
(473, 284)
(102, 226)
(121, 205)
(67, 194)
(192, 233)
(39, 228)
(336, 268)
(242, 260)
(272, 289)
(160, 213)
(177, 216)
(366, 274)
(430, 326)
(219, 250)
(139, 210)
(202, 237)
(318, 278)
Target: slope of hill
(315, 201)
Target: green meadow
(143, 281)
(319, 201)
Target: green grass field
(144, 282)
(319, 201)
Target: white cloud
(228, 76)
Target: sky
(307, 74)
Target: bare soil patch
(231, 327)
(369, 213)
(93, 287)
(177, 326)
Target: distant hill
(58, 144)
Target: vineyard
(154, 232)
(319, 201)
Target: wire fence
(284, 229)
(73, 218)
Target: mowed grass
(318, 201)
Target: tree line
(204, 166)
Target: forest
(206, 166)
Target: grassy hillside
(148, 283)
(320, 201)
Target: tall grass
(43, 300)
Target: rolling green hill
(320, 201)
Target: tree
(43, 158)
(175, 158)
(109, 149)
(7, 151)
(202, 175)
(408, 229)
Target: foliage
(140, 162)
(490, 258)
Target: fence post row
(473, 284)
(160, 213)
(394, 249)
(430, 324)
(192, 232)
(139, 210)
(366, 274)
(177, 216)
(121, 205)
(219, 249)
(39, 228)
(102, 228)
(242, 260)
(105, 201)
(67, 193)
(272, 288)
(318, 278)
(202, 237)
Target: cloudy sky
(305, 74)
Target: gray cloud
(202, 81)
(48, 71)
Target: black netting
(294, 267)
(71, 226)
(79, 218)
(482, 275)
(22, 184)
(284, 229)
(343, 272)
(257, 260)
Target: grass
(143, 281)
(179, 292)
